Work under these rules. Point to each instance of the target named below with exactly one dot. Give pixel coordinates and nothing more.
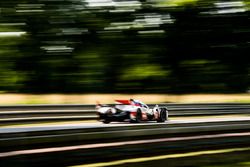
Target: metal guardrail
(91, 106)
(78, 112)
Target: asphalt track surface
(129, 148)
(88, 125)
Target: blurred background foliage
(124, 46)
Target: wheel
(138, 115)
(106, 121)
(162, 115)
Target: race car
(131, 110)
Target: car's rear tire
(106, 121)
(163, 115)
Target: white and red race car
(132, 111)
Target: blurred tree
(110, 46)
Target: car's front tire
(163, 115)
